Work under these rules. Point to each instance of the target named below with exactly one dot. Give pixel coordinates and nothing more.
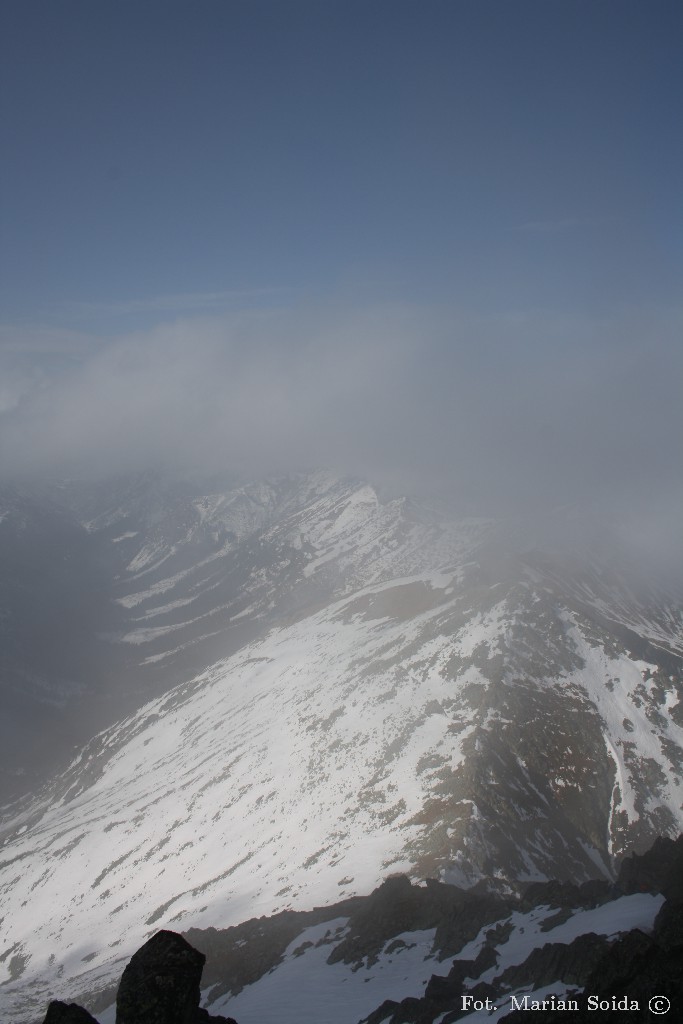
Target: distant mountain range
(287, 691)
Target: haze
(436, 244)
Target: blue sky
(506, 154)
(415, 239)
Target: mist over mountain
(309, 687)
(498, 414)
(341, 492)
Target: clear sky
(503, 153)
(484, 196)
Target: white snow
(261, 786)
(611, 919)
(305, 759)
(307, 990)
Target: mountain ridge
(537, 948)
(396, 693)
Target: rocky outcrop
(160, 985)
(669, 925)
(67, 1013)
(635, 967)
(397, 906)
(634, 970)
(659, 869)
(570, 963)
(566, 895)
(240, 955)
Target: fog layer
(503, 413)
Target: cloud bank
(500, 412)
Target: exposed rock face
(570, 963)
(669, 925)
(397, 906)
(636, 966)
(566, 894)
(240, 956)
(659, 869)
(67, 1013)
(633, 969)
(160, 985)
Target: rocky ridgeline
(239, 956)
(161, 984)
(621, 977)
(632, 969)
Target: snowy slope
(307, 989)
(310, 765)
(401, 701)
(111, 593)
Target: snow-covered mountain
(320, 689)
(424, 954)
(112, 592)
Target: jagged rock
(570, 963)
(242, 954)
(658, 869)
(441, 994)
(551, 894)
(562, 915)
(668, 930)
(441, 989)
(407, 1011)
(673, 882)
(565, 894)
(483, 991)
(635, 968)
(160, 985)
(486, 957)
(204, 1017)
(382, 1013)
(67, 1013)
(397, 906)
(611, 969)
(391, 909)
(461, 921)
(595, 892)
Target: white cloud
(501, 410)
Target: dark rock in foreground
(67, 1013)
(160, 985)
